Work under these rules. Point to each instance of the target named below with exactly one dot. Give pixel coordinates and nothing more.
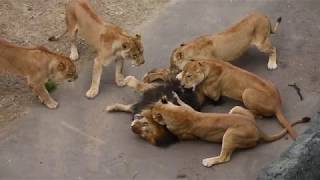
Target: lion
(37, 65)
(146, 128)
(236, 130)
(217, 78)
(254, 29)
(111, 42)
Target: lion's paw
(272, 66)
(52, 105)
(92, 92)
(208, 162)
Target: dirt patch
(28, 22)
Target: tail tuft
(305, 119)
(52, 38)
(279, 19)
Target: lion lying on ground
(255, 29)
(146, 127)
(37, 65)
(110, 41)
(217, 78)
(235, 130)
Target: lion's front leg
(39, 90)
(119, 72)
(120, 107)
(137, 85)
(96, 76)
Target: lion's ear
(138, 36)
(61, 66)
(182, 44)
(125, 45)
(179, 55)
(164, 100)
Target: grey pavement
(81, 141)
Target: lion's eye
(189, 76)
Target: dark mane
(153, 95)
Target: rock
(302, 159)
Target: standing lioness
(37, 65)
(110, 42)
(216, 78)
(228, 45)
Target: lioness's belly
(228, 49)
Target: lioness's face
(133, 50)
(65, 70)
(192, 75)
(152, 132)
(178, 60)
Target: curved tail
(285, 123)
(57, 38)
(279, 135)
(275, 27)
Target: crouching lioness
(255, 29)
(110, 42)
(37, 65)
(217, 78)
(235, 130)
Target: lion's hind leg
(120, 108)
(232, 139)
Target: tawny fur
(254, 29)
(235, 130)
(145, 127)
(217, 78)
(37, 65)
(111, 42)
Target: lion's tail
(283, 132)
(57, 38)
(285, 123)
(275, 27)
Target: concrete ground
(81, 141)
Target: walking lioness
(235, 130)
(37, 65)
(110, 42)
(228, 45)
(217, 78)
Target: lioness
(146, 128)
(37, 65)
(217, 78)
(228, 45)
(238, 129)
(110, 41)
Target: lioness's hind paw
(207, 162)
(272, 66)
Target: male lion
(110, 41)
(228, 45)
(37, 65)
(235, 130)
(146, 128)
(217, 78)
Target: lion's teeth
(193, 88)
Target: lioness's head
(178, 59)
(192, 74)
(151, 131)
(61, 67)
(132, 49)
